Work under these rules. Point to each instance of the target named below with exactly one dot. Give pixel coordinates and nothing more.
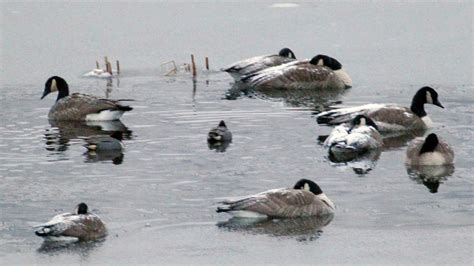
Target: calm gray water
(158, 198)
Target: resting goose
(321, 72)
(80, 107)
(78, 226)
(305, 199)
(358, 137)
(429, 151)
(388, 117)
(257, 63)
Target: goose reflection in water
(430, 175)
(302, 228)
(64, 133)
(81, 248)
(316, 99)
(362, 164)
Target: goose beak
(437, 103)
(44, 94)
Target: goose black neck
(430, 144)
(418, 105)
(63, 92)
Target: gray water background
(159, 202)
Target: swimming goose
(257, 63)
(105, 143)
(219, 133)
(80, 225)
(360, 136)
(321, 72)
(429, 151)
(80, 107)
(305, 199)
(389, 117)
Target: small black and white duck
(78, 226)
(360, 136)
(257, 63)
(305, 199)
(219, 134)
(429, 151)
(321, 72)
(80, 107)
(388, 117)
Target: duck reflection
(218, 146)
(104, 148)
(430, 175)
(318, 99)
(302, 228)
(59, 137)
(81, 248)
(361, 164)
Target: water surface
(158, 197)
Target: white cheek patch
(306, 186)
(320, 62)
(363, 122)
(53, 86)
(429, 99)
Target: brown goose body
(73, 227)
(280, 203)
(296, 75)
(82, 107)
(388, 117)
(440, 154)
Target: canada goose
(388, 117)
(80, 107)
(429, 151)
(360, 136)
(257, 63)
(321, 72)
(219, 134)
(104, 142)
(305, 199)
(80, 225)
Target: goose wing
(277, 203)
(56, 226)
(86, 227)
(80, 105)
(294, 72)
(338, 134)
(446, 150)
(254, 64)
(388, 117)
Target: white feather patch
(306, 186)
(432, 158)
(429, 99)
(342, 75)
(61, 238)
(247, 214)
(105, 115)
(427, 121)
(53, 86)
(324, 198)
